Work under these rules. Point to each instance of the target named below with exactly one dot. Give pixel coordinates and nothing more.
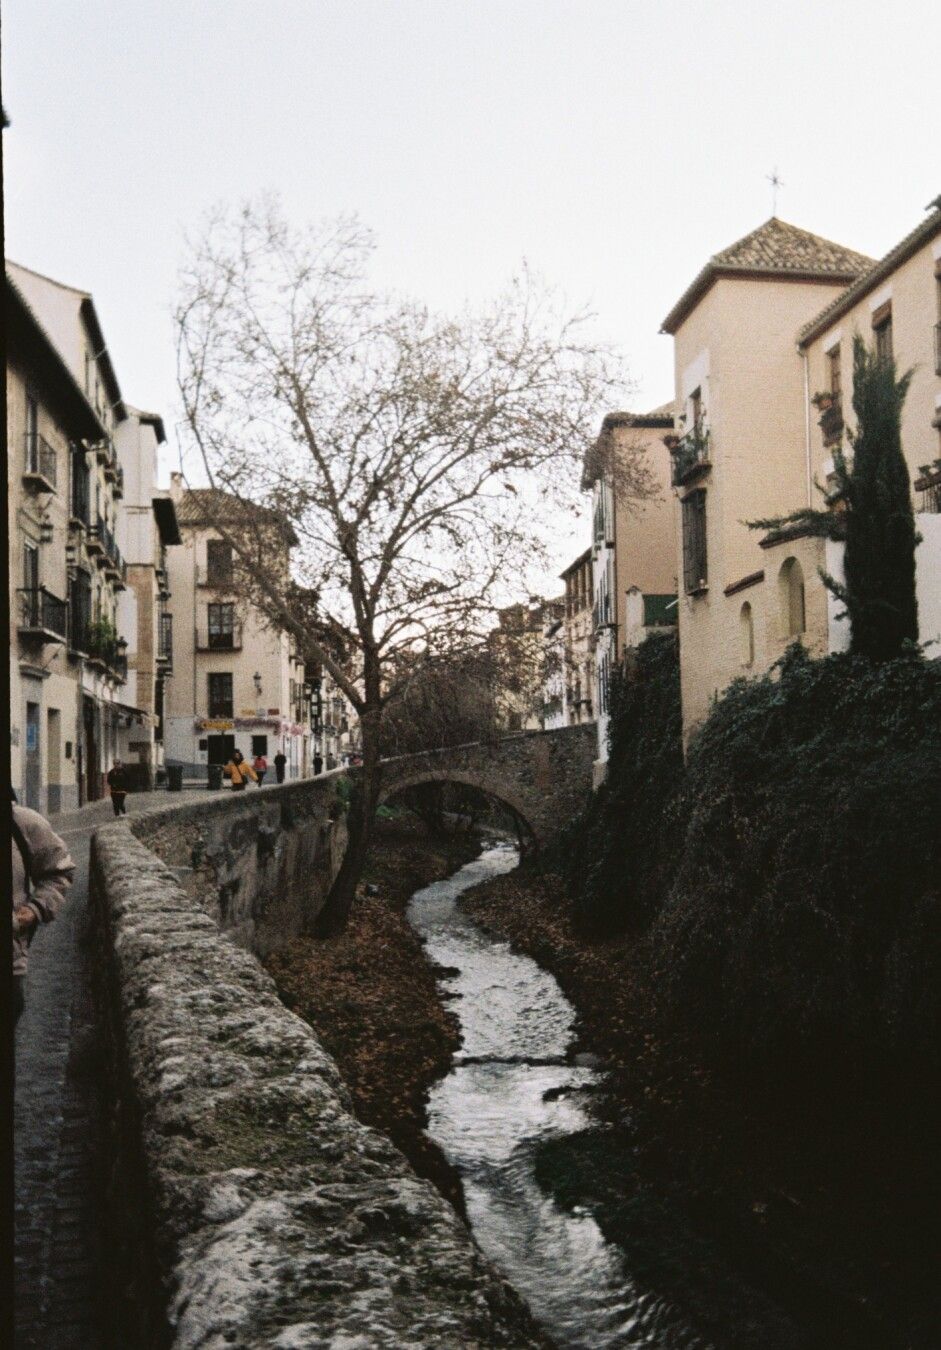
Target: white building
(72, 701)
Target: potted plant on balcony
(823, 399)
(102, 641)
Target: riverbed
(516, 1090)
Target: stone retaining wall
(249, 1207)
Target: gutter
(807, 462)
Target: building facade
(237, 682)
(633, 549)
(578, 627)
(761, 338)
(147, 528)
(69, 655)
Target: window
(219, 562)
(220, 694)
(747, 627)
(791, 588)
(79, 610)
(260, 746)
(882, 331)
(32, 432)
(695, 574)
(30, 567)
(835, 373)
(937, 327)
(80, 485)
(222, 626)
(695, 408)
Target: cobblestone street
(58, 1116)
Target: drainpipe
(807, 462)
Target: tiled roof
(775, 249)
(659, 418)
(779, 247)
(205, 506)
(872, 277)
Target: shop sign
(217, 724)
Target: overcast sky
(614, 145)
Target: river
(513, 1089)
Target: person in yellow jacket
(240, 771)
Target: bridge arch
(504, 795)
(543, 777)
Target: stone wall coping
(278, 1219)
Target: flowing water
(513, 1089)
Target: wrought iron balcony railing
(217, 578)
(165, 641)
(219, 640)
(40, 461)
(42, 615)
(689, 455)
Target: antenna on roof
(776, 182)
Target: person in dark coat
(118, 783)
(280, 763)
(318, 763)
(42, 877)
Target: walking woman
(240, 771)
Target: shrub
(621, 848)
(803, 917)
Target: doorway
(220, 749)
(33, 758)
(53, 761)
(92, 774)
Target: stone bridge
(544, 777)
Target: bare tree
(420, 460)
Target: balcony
(43, 617)
(689, 455)
(216, 578)
(831, 421)
(40, 459)
(165, 642)
(104, 453)
(103, 648)
(99, 537)
(222, 640)
(119, 483)
(601, 612)
(116, 567)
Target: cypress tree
(879, 592)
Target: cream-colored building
(578, 652)
(517, 648)
(765, 326)
(69, 653)
(633, 546)
(237, 682)
(147, 528)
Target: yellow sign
(209, 724)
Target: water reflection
(511, 1090)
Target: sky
(613, 145)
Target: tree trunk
(367, 784)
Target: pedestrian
(260, 765)
(280, 762)
(42, 875)
(239, 770)
(318, 763)
(118, 783)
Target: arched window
(791, 587)
(747, 626)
